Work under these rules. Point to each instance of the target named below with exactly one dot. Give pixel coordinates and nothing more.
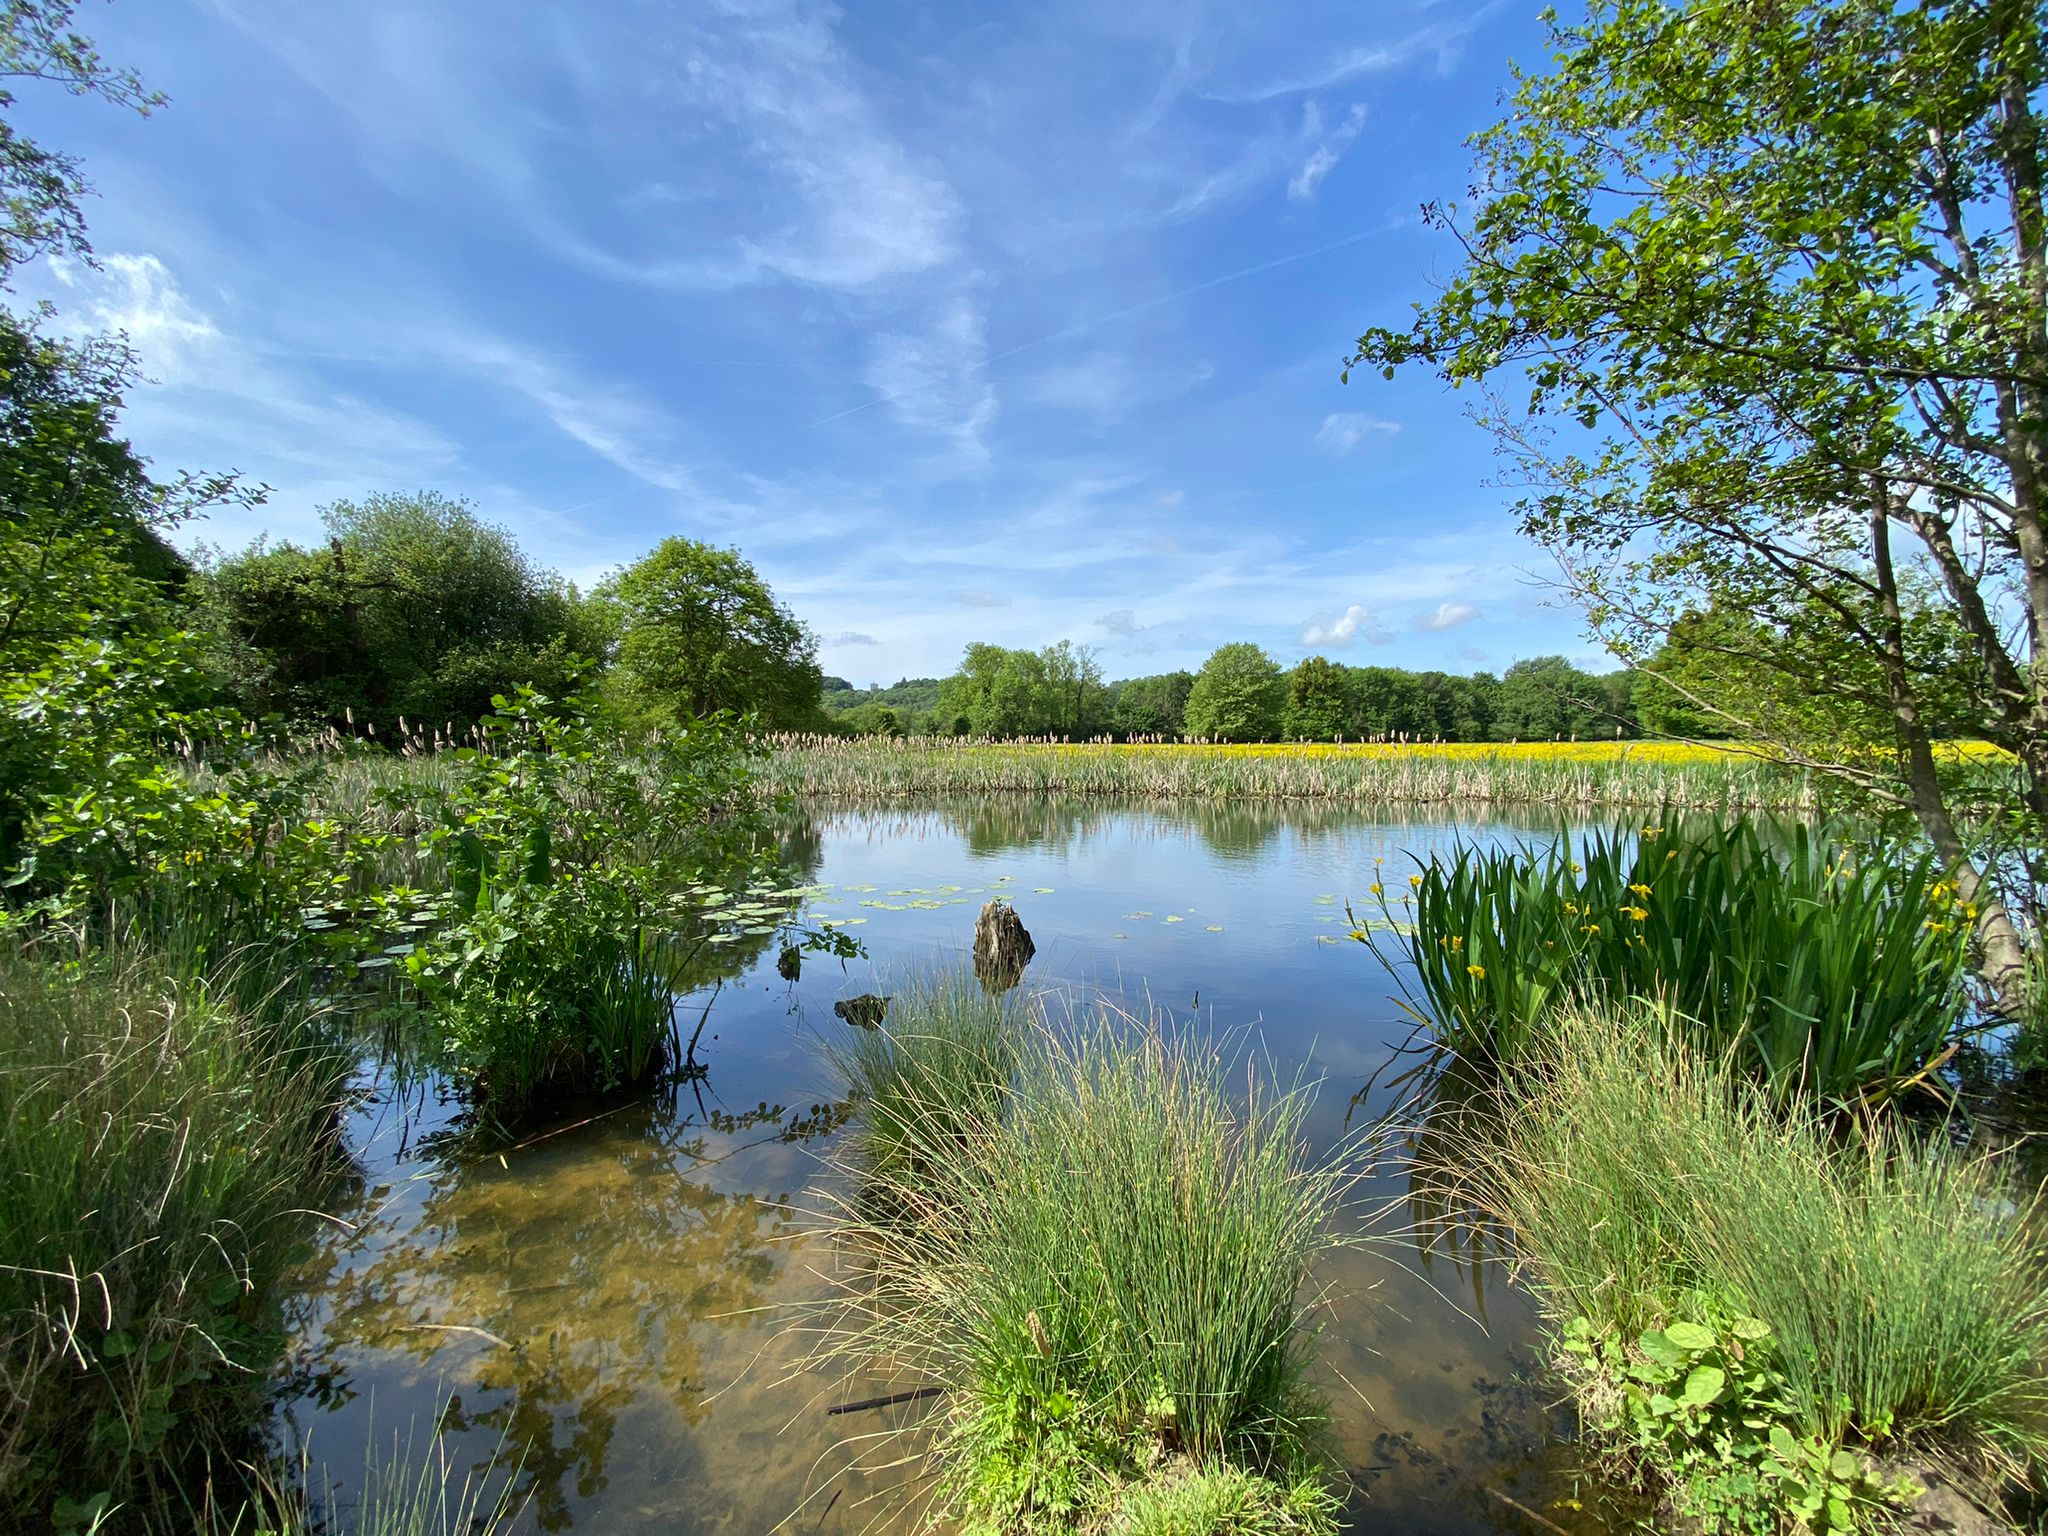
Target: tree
(1315, 700)
(40, 188)
(416, 609)
(1546, 698)
(1775, 277)
(1238, 695)
(1152, 706)
(1076, 702)
(699, 631)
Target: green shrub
(1107, 1276)
(156, 1153)
(1880, 1292)
(580, 875)
(1825, 974)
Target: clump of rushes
(156, 1150)
(926, 1082)
(1757, 1307)
(1107, 1275)
(1824, 973)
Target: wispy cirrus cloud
(1324, 157)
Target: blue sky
(972, 322)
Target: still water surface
(614, 1302)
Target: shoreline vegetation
(1577, 776)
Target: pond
(613, 1302)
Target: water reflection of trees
(586, 1271)
(1240, 829)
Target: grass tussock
(1803, 1291)
(1106, 1270)
(156, 1148)
(1576, 776)
(927, 1082)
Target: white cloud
(1343, 431)
(1448, 616)
(135, 294)
(1324, 157)
(1349, 625)
(619, 426)
(935, 381)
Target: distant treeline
(1241, 694)
(414, 613)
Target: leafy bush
(1741, 1291)
(1825, 974)
(1107, 1275)
(155, 1153)
(582, 877)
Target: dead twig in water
(913, 1395)
(1522, 1509)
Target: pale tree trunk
(2001, 954)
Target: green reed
(1108, 1277)
(1825, 972)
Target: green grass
(1824, 973)
(1647, 1181)
(157, 1148)
(939, 1069)
(1109, 1276)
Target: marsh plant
(1822, 971)
(929, 1080)
(1108, 1274)
(156, 1151)
(580, 876)
(1755, 1306)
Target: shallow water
(613, 1303)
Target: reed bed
(1575, 776)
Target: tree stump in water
(864, 1012)
(1001, 947)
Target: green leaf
(1691, 1337)
(1662, 1348)
(1702, 1386)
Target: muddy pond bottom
(610, 1313)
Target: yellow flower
(1457, 941)
(1571, 909)
(1638, 913)
(1653, 831)
(1416, 881)
(1670, 854)
(1377, 889)
(1476, 972)
(1578, 869)
(1970, 912)
(1641, 890)
(1590, 928)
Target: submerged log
(1001, 947)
